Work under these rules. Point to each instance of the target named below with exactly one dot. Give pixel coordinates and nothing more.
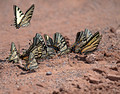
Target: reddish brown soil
(99, 72)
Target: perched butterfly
(31, 64)
(50, 47)
(91, 44)
(38, 38)
(81, 38)
(57, 45)
(36, 48)
(22, 19)
(14, 56)
(60, 43)
(88, 43)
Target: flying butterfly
(90, 45)
(21, 19)
(14, 56)
(31, 64)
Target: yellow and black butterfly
(91, 44)
(51, 50)
(60, 43)
(81, 38)
(36, 48)
(22, 19)
(31, 64)
(87, 44)
(38, 38)
(14, 56)
(57, 45)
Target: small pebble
(49, 73)
(112, 30)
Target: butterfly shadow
(25, 71)
(81, 58)
(2, 60)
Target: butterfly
(36, 48)
(31, 64)
(21, 19)
(38, 38)
(81, 38)
(92, 44)
(14, 56)
(86, 42)
(50, 47)
(58, 43)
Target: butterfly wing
(48, 40)
(78, 41)
(31, 64)
(13, 54)
(91, 44)
(87, 34)
(38, 38)
(79, 36)
(27, 17)
(37, 50)
(36, 47)
(50, 47)
(81, 39)
(60, 43)
(18, 16)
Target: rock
(107, 54)
(93, 80)
(49, 73)
(98, 70)
(118, 62)
(55, 92)
(118, 31)
(113, 77)
(18, 87)
(91, 59)
(112, 30)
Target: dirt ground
(96, 73)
